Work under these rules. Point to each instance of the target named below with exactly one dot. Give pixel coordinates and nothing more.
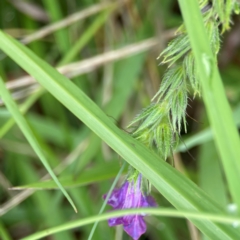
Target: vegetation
(86, 107)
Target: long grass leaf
(158, 212)
(23, 124)
(218, 109)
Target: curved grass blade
(153, 211)
(23, 108)
(23, 125)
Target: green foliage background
(54, 129)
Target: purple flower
(130, 196)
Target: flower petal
(117, 196)
(115, 221)
(151, 201)
(136, 228)
(130, 195)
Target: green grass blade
(97, 174)
(84, 39)
(3, 233)
(210, 174)
(107, 197)
(23, 108)
(22, 123)
(218, 109)
(153, 211)
(44, 200)
(179, 190)
(55, 12)
(205, 135)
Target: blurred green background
(114, 46)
